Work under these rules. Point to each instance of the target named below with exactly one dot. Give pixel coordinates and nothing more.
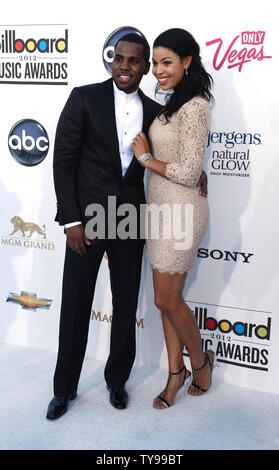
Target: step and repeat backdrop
(233, 289)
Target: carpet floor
(228, 417)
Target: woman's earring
(186, 72)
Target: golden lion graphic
(20, 225)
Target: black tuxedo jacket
(87, 165)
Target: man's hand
(202, 184)
(76, 239)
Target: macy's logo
(244, 48)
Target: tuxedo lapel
(148, 112)
(148, 117)
(106, 112)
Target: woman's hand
(140, 145)
(202, 184)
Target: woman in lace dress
(176, 157)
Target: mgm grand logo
(27, 235)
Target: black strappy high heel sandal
(209, 359)
(163, 397)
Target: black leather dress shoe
(58, 406)
(118, 397)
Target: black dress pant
(79, 280)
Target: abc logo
(28, 142)
(108, 49)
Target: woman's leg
(176, 363)
(168, 289)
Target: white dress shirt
(129, 119)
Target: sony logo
(225, 255)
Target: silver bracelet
(148, 161)
(144, 157)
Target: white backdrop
(234, 287)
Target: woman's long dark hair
(197, 82)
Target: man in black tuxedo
(93, 159)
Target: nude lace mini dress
(177, 216)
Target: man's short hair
(138, 39)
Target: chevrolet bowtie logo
(29, 301)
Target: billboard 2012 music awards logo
(239, 337)
(34, 54)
